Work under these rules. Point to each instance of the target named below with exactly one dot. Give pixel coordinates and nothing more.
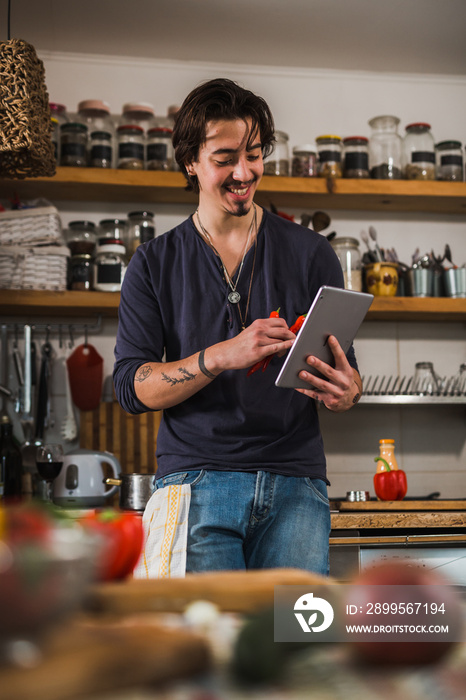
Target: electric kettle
(81, 482)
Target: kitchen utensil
(43, 393)
(4, 369)
(455, 282)
(382, 279)
(354, 496)
(420, 282)
(320, 221)
(85, 367)
(135, 490)
(28, 450)
(69, 428)
(373, 235)
(81, 481)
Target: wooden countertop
(443, 514)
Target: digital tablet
(334, 311)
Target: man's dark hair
(211, 101)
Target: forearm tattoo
(185, 377)
(142, 373)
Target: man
(195, 314)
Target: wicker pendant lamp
(26, 148)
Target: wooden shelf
(94, 184)
(35, 303)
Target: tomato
(124, 535)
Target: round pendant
(234, 297)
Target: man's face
(227, 170)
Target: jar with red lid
(356, 157)
(419, 152)
(113, 231)
(130, 147)
(159, 154)
(140, 114)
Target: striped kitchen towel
(165, 522)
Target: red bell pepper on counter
(390, 485)
(124, 535)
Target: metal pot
(135, 490)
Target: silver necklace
(234, 297)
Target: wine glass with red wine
(49, 461)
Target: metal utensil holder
(390, 389)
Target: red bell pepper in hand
(124, 536)
(263, 364)
(390, 485)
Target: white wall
(430, 441)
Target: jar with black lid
(159, 149)
(101, 150)
(73, 145)
(80, 272)
(81, 237)
(449, 161)
(329, 152)
(356, 157)
(419, 152)
(130, 147)
(141, 229)
(385, 148)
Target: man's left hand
(341, 386)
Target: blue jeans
(255, 520)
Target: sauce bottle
(386, 454)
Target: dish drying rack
(390, 389)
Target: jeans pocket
(177, 478)
(319, 488)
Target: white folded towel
(165, 522)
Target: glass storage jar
(278, 163)
(141, 228)
(113, 230)
(329, 154)
(356, 157)
(59, 116)
(347, 250)
(419, 152)
(385, 148)
(130, 147)
(138, 114)
(449, 160)
(81, 237)
(73, 145)
(109, 267)
(159, 149)
(95, 114)
(304, 162)
(101, 150)
(81, 272)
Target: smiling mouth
(239, 191)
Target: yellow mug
(381, 279)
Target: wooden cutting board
(132, 439)
(231, 591)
